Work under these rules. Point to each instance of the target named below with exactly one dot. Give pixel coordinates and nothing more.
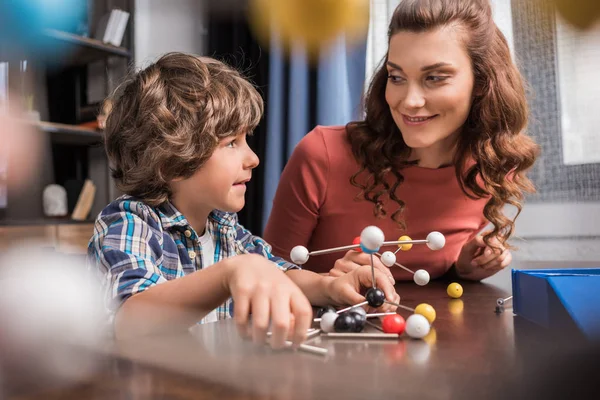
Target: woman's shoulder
(325, 142)
(322, 134)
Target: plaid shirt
(136, 246)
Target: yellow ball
(405, 247)
(455, 290)
(427, 311)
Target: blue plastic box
(553, 298)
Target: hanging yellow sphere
(313, 23)
(581, 13)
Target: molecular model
(350, 321)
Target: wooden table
(473, 353)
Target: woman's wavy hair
(493, 134)
(167, 119)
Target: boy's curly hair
(167, 119)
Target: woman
(442, 148)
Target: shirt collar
(170, 217)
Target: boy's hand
(354, 259)
(258, 287)
(476, 256)
(347, 289)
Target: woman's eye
(436, 78)
(395, 78)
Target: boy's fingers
(349, 295)
(365, 259)
(336, 273)
(260, 317)
(302, 313)
(379, 265)
(280, 320)
(240, 314)
(384, 284)
(345, 266)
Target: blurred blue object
(23, 23)
(553, 298)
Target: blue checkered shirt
(136, 246)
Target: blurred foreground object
(22, 23)
(20, 145)
(51, 317)
(581, 13)
(312, 22)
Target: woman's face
(429, 87)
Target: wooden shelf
(43, 221)
(83, 50)
(71, 134)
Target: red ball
(393, 324)
(357, 241)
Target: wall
(163, 26)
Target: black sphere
(345, 322)
(324, 310)
(375, 297)
(360, 320)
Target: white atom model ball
(371, 238)
(421, 277)
(436, 241)
(388, 259)
(327, 321)
(417, 326)
(299, 255)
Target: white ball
(421, 277)
(299, 255)
(52, 318)
(327, 321)
(372, 238)
(388, 259)
(436, 241)
(417, 326)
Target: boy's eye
(231, 143)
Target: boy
(176, 141)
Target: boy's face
(221, 182)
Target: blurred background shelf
(43, 221)
(83, 50)
(66, 238)
(70, 134)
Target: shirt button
(187, 233)
(192, 254)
